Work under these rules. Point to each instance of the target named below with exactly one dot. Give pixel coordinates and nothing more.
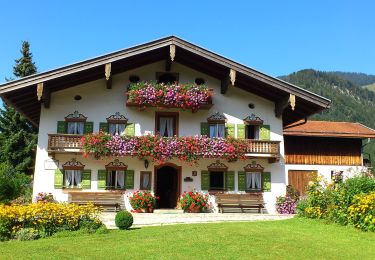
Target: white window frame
(216, 125)
(260, 181)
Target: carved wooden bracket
(108, 75)
(39, 91)
(224, 85)
(282, 104)
(172, 51)
(232, 76)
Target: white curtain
(80, 127)
(69, 178)
(109, 178)
(213, 131)
(166, 126)
(77, 177)
(221, 130)
(146, 181)
(112, 129)
(71, 127)
(253, 180)
(170, 127)
(120, 179)
(121, 129)
(163, 125)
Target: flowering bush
(287, 204)
(186, 148)
(44, 197)
(47, 218)
(95, 144)
(143, 201)
(194, 200)
(362, 212)
(172, 95)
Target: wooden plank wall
(322, 151)
(300, 179)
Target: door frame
(178, 170)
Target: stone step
(168, 211)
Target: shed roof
(329, 129)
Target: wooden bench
(240, 201)
(109, 201)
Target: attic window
(216, 125)
(199, 81)
(167, 78)
(134, 79)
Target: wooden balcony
(65, 143)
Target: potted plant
(194, 202)
(143, 201)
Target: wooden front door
(300, 179)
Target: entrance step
(168, 211)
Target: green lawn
(291, 239)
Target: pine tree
(17, 135)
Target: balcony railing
(64, 143)
(71, 143)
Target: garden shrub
(287, 204)
(143, 201)
(124, 219)
(5, 230)
(12, 183)
(349, 202)
(102, 230)
(47, 218)
(194, 200)
(25, 234)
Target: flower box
(185, 96)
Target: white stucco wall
(98, 103)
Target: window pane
(71, 128)
(221, 130)
(121, 129)
(213, 131)
(112, 129)
(145, 181)
(217, 180)
(80, 127)
(253, 180)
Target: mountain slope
(370, 87)
(358, 79)
(349, 101)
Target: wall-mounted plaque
(51, 164)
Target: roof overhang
(22, 93)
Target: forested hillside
(358, 79)
(350, 102)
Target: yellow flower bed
(48, 217)
(313, 212)
(362, 212)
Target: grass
(370, 87)
(287, 239)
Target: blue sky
(276, 37)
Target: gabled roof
(22, 93)
(329, 129)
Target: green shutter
(241, 131)
(264, 133)
(229, 180)
(130, 129)
(62, 127)
(129, 182)
(102, 179)
(86, 179)
(104, 127)
(230, 130)
(89, 127)
(204, 129)
(59, 179)
(205, 180)
(266, 181)
(241, 181)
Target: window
(145, 182)
(253, 181)
(252, 132)
(216, 180)
(76, 128)
(116, 129)
(217, 130)
(115, 179)
(166, 124)
(73, 178)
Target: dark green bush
(124, 219)
(5, 227)
(12, 183)
(102, 230)
(301, 206)
(90, 224)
